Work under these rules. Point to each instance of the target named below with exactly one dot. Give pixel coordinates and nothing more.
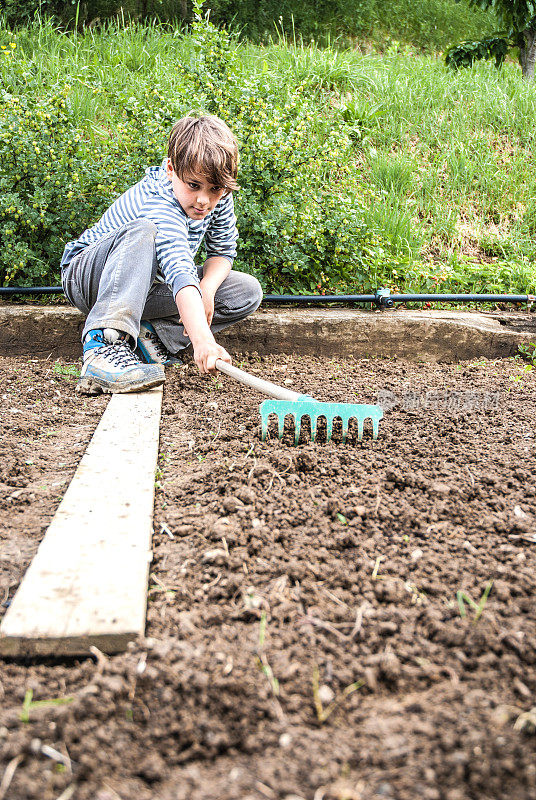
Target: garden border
(419, 335)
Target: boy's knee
(143, 227)
(253, 292)
(258, 294)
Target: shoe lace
(160, 348)
(119, 354)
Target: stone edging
(53, 331)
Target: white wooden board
(87, 584)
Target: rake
(297, 405)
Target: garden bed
(309, 634)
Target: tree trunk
(527, 52)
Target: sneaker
(110, 366)
(151, 348)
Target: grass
(454, 158)
(452, 155)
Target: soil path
(305, 638)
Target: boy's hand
(206, 353)
(193, 315)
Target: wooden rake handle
(266, 387)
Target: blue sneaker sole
(93, 385)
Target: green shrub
(301, 212)
(74, 12)
(53, 183)
(18, 12)
(41, 192)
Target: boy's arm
(180, 272)
(192, 313)
(220, 239)
(215, 270)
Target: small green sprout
(478, 608)
(528, 352)
(262, 661)
(65, 372)
(28, 704)
(170, 592)
(322, 713)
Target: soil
(305, 636)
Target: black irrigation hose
(388, 300)
(382, 298)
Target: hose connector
(383, 298)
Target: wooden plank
(87, 584)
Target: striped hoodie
(178, 237)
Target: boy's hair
(207, 146)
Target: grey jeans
(113, 282)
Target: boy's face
(197, 195)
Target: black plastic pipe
(382, 298)
(11, 290)
(388, 300)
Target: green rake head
(314, 410)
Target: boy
(133, 272)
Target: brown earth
(304, 638)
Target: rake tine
(344, 428)
(329, 428)
(375, 428)
(314, 421)
(297, 427)
(360, 428)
